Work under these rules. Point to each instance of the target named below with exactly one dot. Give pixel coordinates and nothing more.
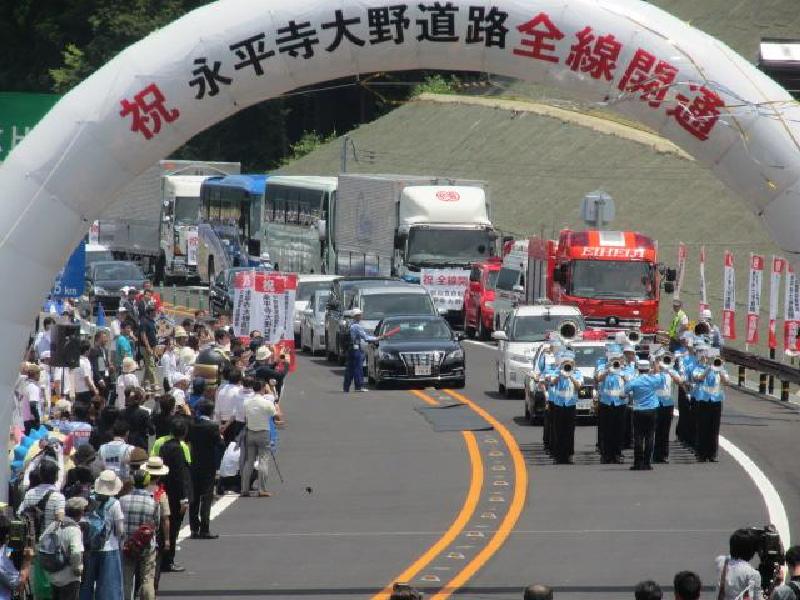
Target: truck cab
(180, 214)
(479, 298)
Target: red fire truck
(613, 277)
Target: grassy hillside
(539, 168)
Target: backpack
(35, 514)
(50, 550)
(139, 541)
(98, 528)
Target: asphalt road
(384, 487)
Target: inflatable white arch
(221, 58)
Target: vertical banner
(703, 294)
(791, 312)
(192, 246)
(264, 301)
(778, 265)
(754, 297)
(729, 298)
(682, 253)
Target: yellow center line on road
(514, 511)
(461, 521)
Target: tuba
(568, 330)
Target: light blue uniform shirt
(644, 390)
(548, 373)
(565, 393)
(611, 391)
(688, 365)
(665, 393)
(709, 388)
(358, 334)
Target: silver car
(312, 322)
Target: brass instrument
(717, 363)
(702, 328)
(568, 330)
(568, 367)
(616, 364)
(634, 337)
(668, 359)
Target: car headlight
(519, 358)
(456, 354)
(385, 355)
(100, 291)
(489, 304)
(342, 323)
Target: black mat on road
(453, 417)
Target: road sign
(70, 282)
(19, 112)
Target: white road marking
(216, 510)
(479, 343)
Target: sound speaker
(65, 346)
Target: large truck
(613, 277)
(153, 220)
(427, 230)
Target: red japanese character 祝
(596, 56)
(542, 30)
(644, 75)
(148, 109)
(700, 114)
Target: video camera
(770, 555)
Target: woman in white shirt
(169, 362)
(128, 380)
(83, 379)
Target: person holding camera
(790, 590)
(12, 579)
(737, 575)
(710, 374)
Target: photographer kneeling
(737, 575)
(791, 589)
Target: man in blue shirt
(354, 370)
(684, 360)
(611, 406)
(566, 384)
(543, 367)
(643, 389)
(664, 363)
(710, 374)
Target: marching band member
(709, 374)
(566, 385)
(664, 363)
(643, 388)
(685, 360)
(612, 406)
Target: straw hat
(155, 466)
(107, 484)
(32, 369)
(180, 331)
(129, 365)
(263, 353)
(137, 457)
(63, 406)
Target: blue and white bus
(230, 222)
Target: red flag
(729, 298)
(754, 297)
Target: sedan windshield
(417, 329)
(535, 328)
(587, 356)
(378, 306)
(306, 288)
(118, 272)
(612, 279)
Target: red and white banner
(729, 298)
(754, 296)
(682, 254)
(791, 312)
(778, 265)
(265, 302)
(703, 294)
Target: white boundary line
(216, 509)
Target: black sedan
(416, 349)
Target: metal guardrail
(768, 371)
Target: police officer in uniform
(709, 374)
(354, 369)
(566, 384)
(666, 405)
(611, 407)
(643, 389)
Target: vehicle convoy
(525, 329)
(612, 277)
(380, 302)
(336, 324)
(153, 220)
(587, 353)
(479, 298)
(105, 279)
(312, 322)
(306, 286)
(426, 230)
(416, 349)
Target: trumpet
(668, 359)
(568, 330)
(615, 365)
(702, 328)
(568, 367)
(717, 363)
(634, 337)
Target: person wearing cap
(709, 395)
(128, 380)
(31, 398)
(679, 324)
(103, 576)
(666, 407)
(139, 509)
(714, 335)
(644, 391)
(611, 409)
(66, 582)
(685, 362)
(180, 383)
(157, 470)
(545, 366)
(186, 359)
(566, 384)
(354, 369)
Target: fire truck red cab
(479, 298)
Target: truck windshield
(117, 272)
(612, 279)
(534, 328)
(449, 247)
(306, 288)
(378, 306)
(491, 279)
(187, 210)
